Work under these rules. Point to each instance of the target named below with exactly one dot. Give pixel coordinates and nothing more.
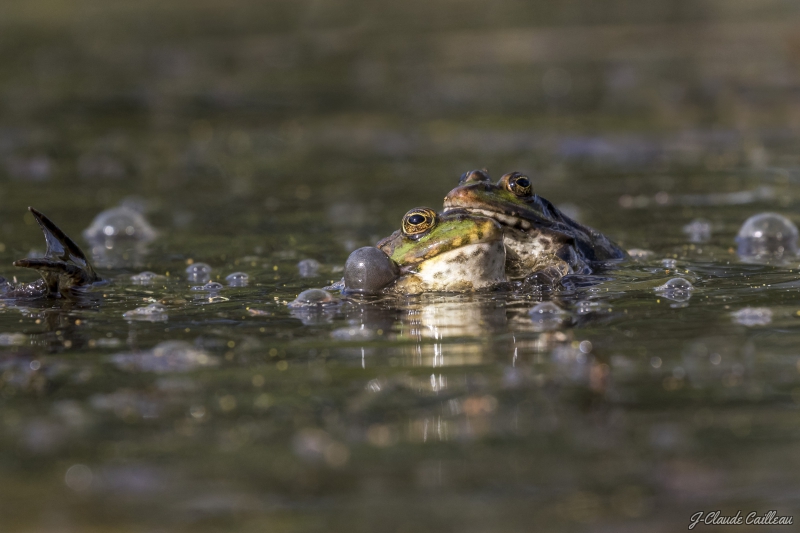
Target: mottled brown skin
(538, 236)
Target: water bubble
(143, 278)
(353, 334)
(135, 203)
(151, 313)
(126, 403)
(640, 254)
(78, 478)
(100, 166)
(42, 437)
(13, 339)
(134, 479)
(37, 168)
(200, 272)
(106, 342)
(586, 307)
(335, 286)
(368, 270)
(211, 286)
(308, 268)
(512, 378)
(317, 446)
(767, 236)
(237, 279)
(119, 223)
(547, 315)
(5, 286)
(698, 230)
(669, 263)
(753, 316)
(167, 356)
(546, 309)
(676, 289)
(313, 298)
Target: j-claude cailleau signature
(716, 518)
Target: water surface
(254, 139)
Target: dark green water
(260, 134)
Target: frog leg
(64, 266)
(539, 251)
(59, 277)
(567, 252)
(59, 246)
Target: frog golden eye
(418, 222)
(517, 183)
(474, 176)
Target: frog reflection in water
(538, 237)
(455, 252)
(65, 270)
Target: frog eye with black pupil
(418, 221)
(474, 176)
(517, 183)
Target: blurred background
(254, 134)
(225, 116)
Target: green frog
(452, 252)
(65, 270)
(539, 239)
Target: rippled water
(269, 142)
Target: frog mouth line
(507, 220)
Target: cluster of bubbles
(765, 237)
(196, 272)
(201, 273)
(211, 286)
